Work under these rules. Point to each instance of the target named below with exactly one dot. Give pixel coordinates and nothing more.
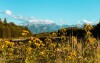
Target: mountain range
(43, 27)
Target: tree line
(11, 30)
(73, 31)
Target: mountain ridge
(39, 28)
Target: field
(55, 47)
(71, 50)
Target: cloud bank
(87, 22)
(91, 22)
(31, 19)
(27, 19)
(36, 21)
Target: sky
(51, 11)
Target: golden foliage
(24, 32)
(48, 51)
(74, 40)
(87, 27)
(54, 34)
(88, 33)
(91, 40)
(72, 55)
(48, 41)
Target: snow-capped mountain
(43, 27)
(39, 28)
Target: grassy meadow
(66, 50)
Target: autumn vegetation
(67, 45)
(11, 30)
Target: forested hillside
(11, 30)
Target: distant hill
(11, 30)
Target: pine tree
(5, 21)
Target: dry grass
(36, 51)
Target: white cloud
(8, 12)
(33, 20)
(40, 21)
(20, 18)
(26, 19)
(87, 22)
(47, 21)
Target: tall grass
(86, 50)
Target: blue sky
(57, 11)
